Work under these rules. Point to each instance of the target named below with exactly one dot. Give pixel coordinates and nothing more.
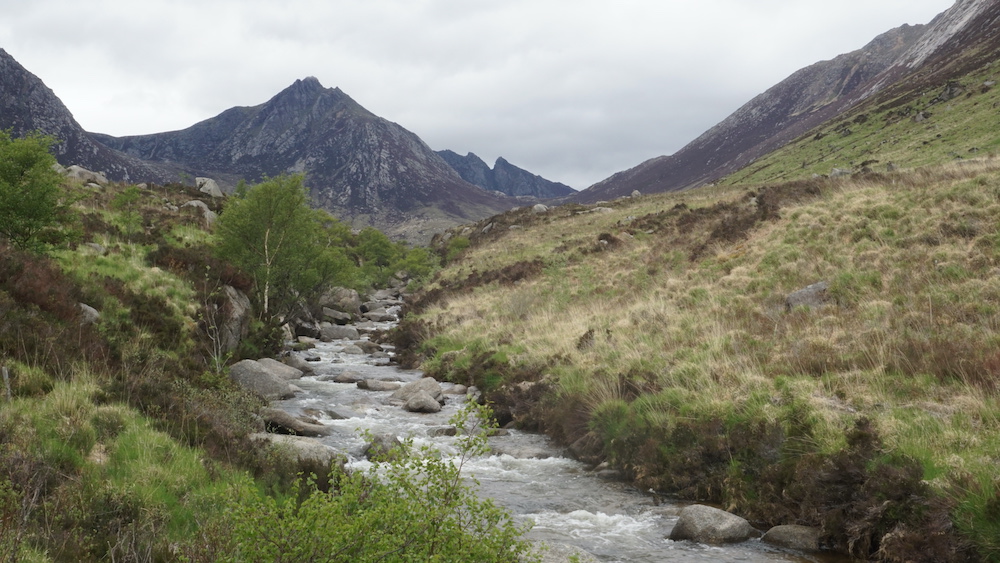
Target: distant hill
(504, 177)
(905, 59)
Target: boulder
(705, 524)
(336, 317)
(802, 538)
(352, 350)
(421, 401)
(348, 377)
(379, 315)
(208, 186)
(368, 346)
(303, 327)
(298, 363)
(81, 173)
(210, 217)
(342, 299)
(88, 314)
(427, 385)
(329, 333)
(539, 208)
(378, 385)
(281, 422)
(383, 446)
(235, 314)
(257, 379)
(456, 390)
(281, 370)
(815, 295)
(841, 172)
(303, 450)
(390, 294)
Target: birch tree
(270, 232)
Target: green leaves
(271, 234)
(29, 189)
(417, 508)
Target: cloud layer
(574, 91)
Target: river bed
(566, 502)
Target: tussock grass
(681, 325)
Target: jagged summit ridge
(357, 164)
(504, 177)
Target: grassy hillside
(949, 121)
(122, 438)
(654, 334)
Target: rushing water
(525, 473)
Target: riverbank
(357, 400)
(667, 336)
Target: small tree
(271, 233)
(29, 188)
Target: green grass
(675, 355)
(946, 131)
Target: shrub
(414, 507)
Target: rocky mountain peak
(504, 177)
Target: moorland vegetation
(122, 439)
(656, 333)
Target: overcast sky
(574, 90)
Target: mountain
(892, 62)
(359, 166)
(26, 105)
(504, 177)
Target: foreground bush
(415, 506)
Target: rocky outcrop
(705, 524)
(504, 177)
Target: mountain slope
(359, 166)
(943, 108)
(805, 100)
(504, 177)
(26, 105)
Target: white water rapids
(567, 503)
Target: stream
(526, 473)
